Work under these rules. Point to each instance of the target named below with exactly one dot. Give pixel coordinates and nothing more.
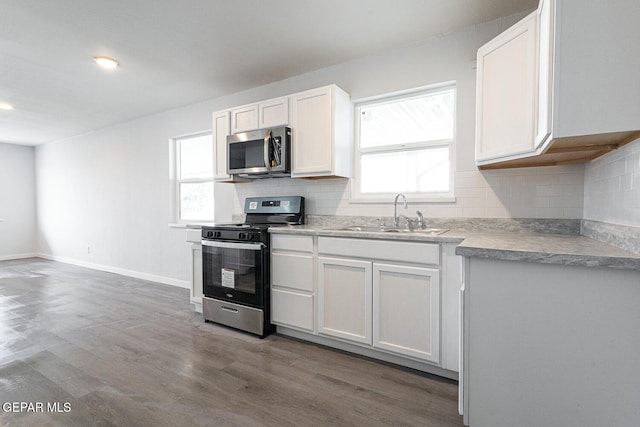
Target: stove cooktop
(264, 212)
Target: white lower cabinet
(194, 238)
(562, 338)
(292, 281)
(406, 310)
(388, 299)
(393, 307)
(344, 299)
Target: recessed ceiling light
(5, 106)
(106, 62)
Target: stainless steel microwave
(260, 153)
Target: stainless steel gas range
(236, 270)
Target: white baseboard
(121, 271)
(18, 256)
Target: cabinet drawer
(290, 242)
(292, 309)
(293, 271)
(421, 253)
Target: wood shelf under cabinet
(563, 151)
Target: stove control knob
(209, 234)
(242, 236)
(217, 234)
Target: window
(192, 161)
(405, 145)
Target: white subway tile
(549, 190)
(497, 212)
(444, 212)
(549, 213)
(572, 213)
(540, 202)
(520, 193)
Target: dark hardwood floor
(80, 347)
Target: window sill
(190, 224)
(387, 200)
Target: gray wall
(108, 191)
(17, 202)
(549, 192)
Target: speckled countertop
(314, 230)
(550, 248)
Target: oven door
(235, 271)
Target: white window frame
(174, 173)
(429, 197)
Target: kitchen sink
(358, 228)
(432, 231)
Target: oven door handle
(234, 245)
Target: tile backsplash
(612, 187)
(544, 192)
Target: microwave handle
(267, 140)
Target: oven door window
(234, 273)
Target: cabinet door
(406, 310)
(244, 118)
(220, 133)
(545, 70)
(196, 278)
(274, 112)
(507, 91)
(344, 299)
(312, 127)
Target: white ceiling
(175, 53)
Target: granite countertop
(333, 231)
(550, 248)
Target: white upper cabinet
(321, 123)
(271, 113)
(220, 132)
(244, 118)
(506, 91)
(274, 112)
(560, 86)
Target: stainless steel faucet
(396, 220)
(420, 219)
